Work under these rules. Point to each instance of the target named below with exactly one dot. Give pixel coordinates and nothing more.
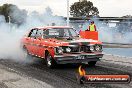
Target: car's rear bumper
(77, 58)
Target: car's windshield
(60, 32)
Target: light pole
(9, 18)
(67, 12)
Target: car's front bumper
(77, 58)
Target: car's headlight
(59, 50)
(98, 48)
(92, 48)
(68, 49)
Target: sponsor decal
(86, 78)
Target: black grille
(73, 49)
(85, 49)
(78, 49)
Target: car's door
(39, 42)
(31, 38)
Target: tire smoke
(11, 34)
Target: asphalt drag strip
(64, 76)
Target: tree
(5, 10)
(48, 10)
(127, 16)
(17, 16)
(83, 8)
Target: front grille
(73, 49)
(82, 48)
(77, 49)
(85, 49)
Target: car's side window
(66, 33)
(39, 34)
(45, 33)
(33, 33)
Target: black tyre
(92, 63)
(27, 56)
(50, 62)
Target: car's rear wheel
(27, 56)
(50, 62)
(92, 63)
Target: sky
(107, 8)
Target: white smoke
(110, 34)
(9, 41)
(114, 34)
(11, 34)
(127, 38)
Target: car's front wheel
(50, 62)
(92, 63)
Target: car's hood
(73, 41)
(85, 41)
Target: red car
(61, 45)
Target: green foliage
(83, 8)
(17, 16)
(5, 10)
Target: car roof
(49, 27)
